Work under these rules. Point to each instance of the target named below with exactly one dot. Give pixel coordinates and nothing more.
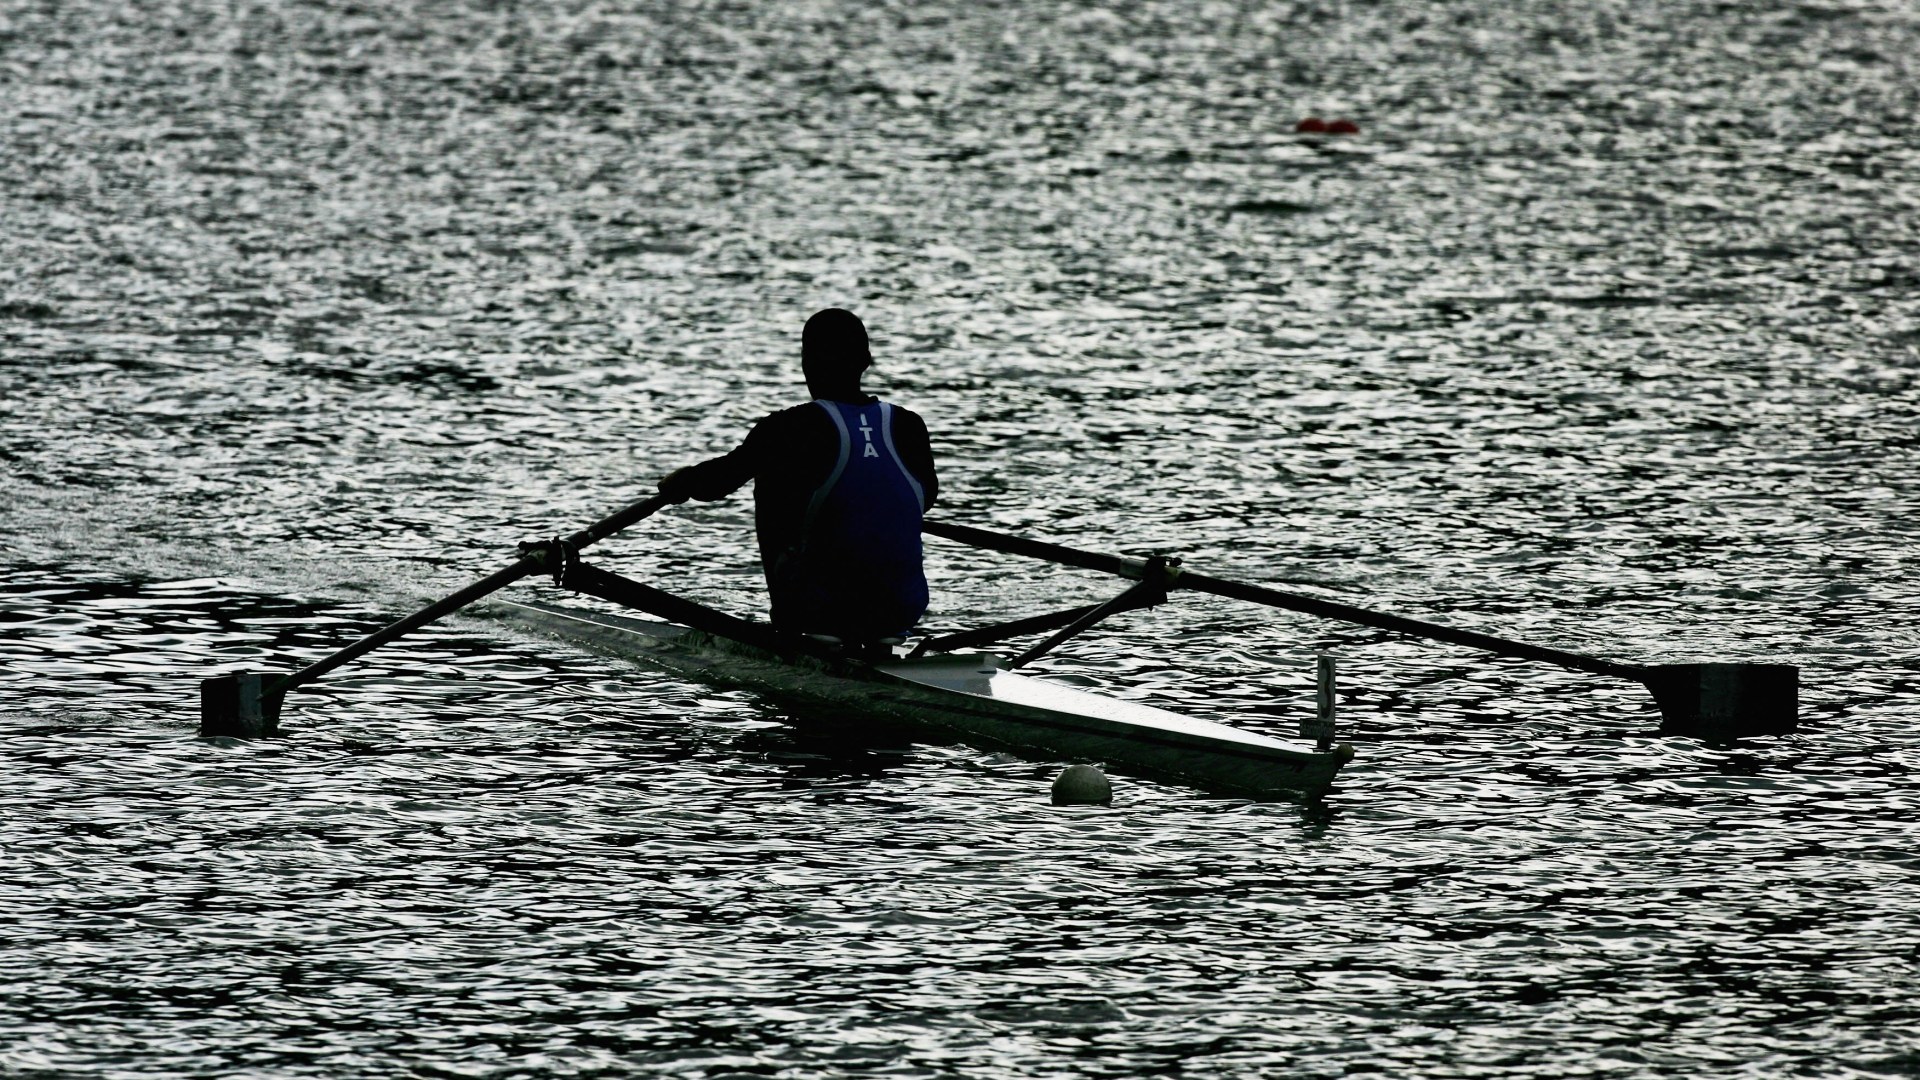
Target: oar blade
(1725, 702)
(238, 706)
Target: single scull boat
(973, 695)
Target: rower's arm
(713, 479)
(716, 478)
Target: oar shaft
(415, 621)
(527, 564)
(615, 522)
(1328, 609)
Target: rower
(839, 487)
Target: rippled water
(1602, 333)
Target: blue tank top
(857, 571)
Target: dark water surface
(1603, 333)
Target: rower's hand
(676, 484)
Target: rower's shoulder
(804, 410)
(783, 424)
(809, 415)
(905, 418)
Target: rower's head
(833, 352)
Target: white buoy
(1081, 785)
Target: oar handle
(1310, 605)
(531, 562)
(1037, 549)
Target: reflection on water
(1601, 333)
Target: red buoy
(1343, 127)
(1312, 125)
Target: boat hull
(971, 695)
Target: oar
(246, 705)
(1712, 701)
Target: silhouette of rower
(839, 487)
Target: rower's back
(855, 571)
